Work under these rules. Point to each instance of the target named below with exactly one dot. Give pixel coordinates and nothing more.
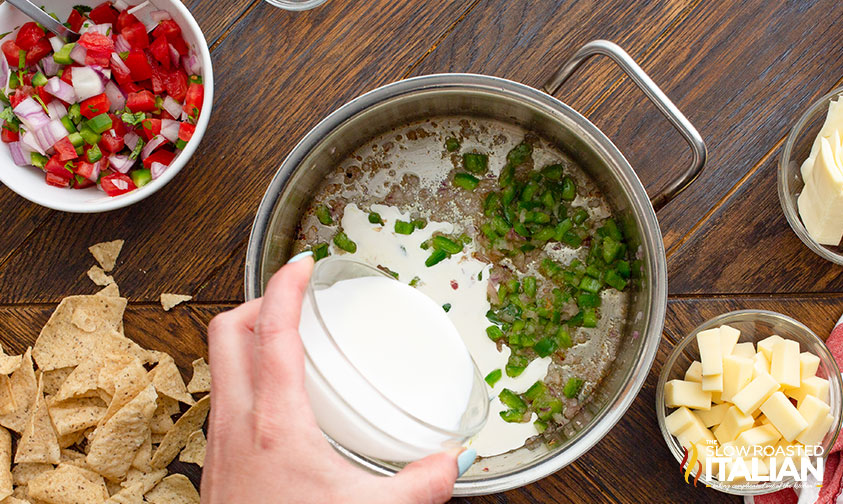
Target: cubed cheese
(814, 386)
(681, 419)
(713, 416)
(816, 413)
(760, 365)
(765, 346)
(784, 366)
(737, 373)
(728, 339)
(786, 450)
(784, 416)
(715, 398)
(808, 365)
(684, 393)
(710, 352)
(712, 383)
(695, 433)
(694, 372)
(744, 350)
(749, 398)
(765, 435)
(733, 424)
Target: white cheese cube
(712, 383)
(728, 339)
(744, 350)
(684, 393)
(814, 386)
(680, 420)
(766, 345)
(816, 413)
(713, 416)
(784, 366)
(710, 352)
(733, 424)
(695, 433)
(760, 365)
(749, 398)
(694, 372)
(808, 365)
(765, 435)
(737, 373)
(784, 416)
(715, 398)
(786, 450)
(821, 201)
(815, 433)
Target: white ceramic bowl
(29, 182)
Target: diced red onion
(151, 145)
(95, 172)
(121, 5)
(115, 96)
(174, 55)
(121, 44)
(117, 63)
(60, 89)
(170, 129)
(120, 163)
(104, 73)
(49, 65)
(191, 64)
(159, 15)
(57, 43)
(86, 82)
(56, 109)
(50, 134)
(30, 144)
(172, 107)
(157, 169)
(17, 154)
(120, 184)
(31, 114)
(131, 139)
(78, 54)
(4, 73)
(104, 29)
(137, 8)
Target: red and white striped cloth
(830, 492)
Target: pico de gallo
(112, 109)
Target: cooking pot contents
(513, 240)
(821, 201)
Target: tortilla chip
(130, 495)
(71, 439)
(161, 422)
(110, 290)
(14, 500)
(98, 276)
(39, 442)
(201, 379)
(7, 397)
(194, 451)
(174, 489)
(24, 386)
(6, 480)
(22, 473)
(147, 479)
(106, 253)
(128, 383)
(168, 381)
(63, 344)
(67, 484)
(168, 301)
(114, 444)
(54, 379)
(74, 415)
(9, 363)
(157, 438)
(73, 457)
(143, 457)
(81, 382)
(176, 439)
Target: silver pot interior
(486, 97)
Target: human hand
(264, 445)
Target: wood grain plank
(177, 236)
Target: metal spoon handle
(31, 10)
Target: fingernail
(300, 256)
(465, 460)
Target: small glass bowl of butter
(754, 327)
(798, 147)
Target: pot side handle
(656, 95)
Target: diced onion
(151, 145)
(95, 173)
(50, 66)
(78, 54)
(56, 109)
(172, 107)
(139, 7)
(86, 82)
(120, 5)
(4, 73)
(115, 96)
(121, 45)
(30, 143)
(104, 29)
(131, 140)
(50, 134)
(17, 154)
(57, 44)
(170, 129)
(157, 169)
(191, 64)
(120, 163)
(174, 55)
(60, 89)
(159, 15)
(117, 63)
(104, 73)
(31, 114)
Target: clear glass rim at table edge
(791, 212)
(293, 5)
(478, 378)
(835, 388)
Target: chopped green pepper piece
(580, 216)
(537, 389)
(320, 251)
(494, 332)
(553, 172)
(415, 281)
(611, 248)
(68, 124)
(563, 338)
(91, 137)
(506, 177)
(493, 377)
(513, 371)
(589, 318)
(519, 154)
(74, 112)
(38, 160)
(512, 401)
(490, 206)
(405, 228)
(623, 269)
(545, 347)
(466, 181)
(452, 144)
(100, 123)
(435, 258)
(615, 280)
(590, 284)
(76, 139)
(529, 285)
(14, 81)
(39, 79)
(62, 56)
(540, 426)
(572, 387)
(446, 307)
(419, 223)
(447, 244)
(375, 218)
(569, 189)
(512, 416)
(323, 213)
(141, 177)
(588, 300)
(342, 241)
(475, 163)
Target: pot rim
(651, 240)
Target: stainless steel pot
(405, 101)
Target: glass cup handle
(659, 99)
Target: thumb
(431, 479)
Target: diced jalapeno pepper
(475, 163)
(512, 401)
(569, 189)
(466, 181)
(452, 144)
(494, 332)
(519, 154)
(589, 317)
(320, 251)
(572, 387)
(403, 227)
(447, 244)
(375, 218)
(323, 213)
(342, 241)
(100, 123)
(435, 258)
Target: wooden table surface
(741, 71)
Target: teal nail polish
(465, 460)
(300, 256)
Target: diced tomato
(103, 13)
(81, 182)
(150, 127)
(135, 34)
(142, 101)
(111, 142)
(193, 100)
(43, 94)
(67, 74)
(99, 48)
(28, 35)
(158, 79)
(176, 84)
(18, 96)
(8, 135)
(12, 52)
(75, 20)
(160, 50)
(95, 106)
(56, 180)
(139, 67)
(65, 149)
(38, 51)
(56, 166)
(117, 184)
(168, 29)
(125, 19)
(159, 156)
(186, 131)
(123, 78)
(84, 169)
(180, 46)
(118, 125)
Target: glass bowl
(797, 147)
(754, 326)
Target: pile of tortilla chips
(87, 415)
